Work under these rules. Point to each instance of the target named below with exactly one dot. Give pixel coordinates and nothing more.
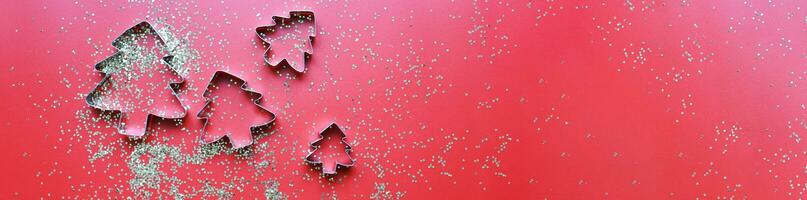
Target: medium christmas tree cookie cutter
(202, 114)
(316, 146)
(263, 31)
(104, 67)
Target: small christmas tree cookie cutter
(102, 65)
(243, 87)
(314, 144)
(279, 20)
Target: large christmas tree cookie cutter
(107, 66)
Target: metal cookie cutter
(286, 21)
(237, 140)
(330, 169)
(130, 124)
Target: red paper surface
(438, 99)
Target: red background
(441, 99)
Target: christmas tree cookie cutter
(315, 144)
(263, 31)
(106, 67)
(204, 115)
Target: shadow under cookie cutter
(316, 146)
(107, 66)
(282, 20)
(205, 114)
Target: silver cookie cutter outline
(174, 86)
(243, 87)
(348, 149)
(273, 23)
